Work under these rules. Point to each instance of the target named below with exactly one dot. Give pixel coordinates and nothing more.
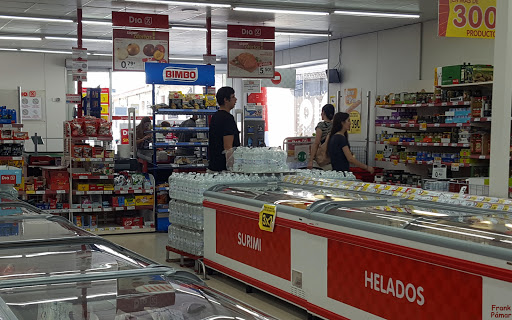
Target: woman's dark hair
(328, 110)
(337, 123)
(224, 93)
(140, 128)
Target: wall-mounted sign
(32, 105)
(467, 19)
(133, 48)
(180, 74)
(141, 20)
(252, 86)
(251, 51)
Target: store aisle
(152, 245)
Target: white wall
(34, 71)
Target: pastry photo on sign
(246, 61)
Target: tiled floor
(152, 245)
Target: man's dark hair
(224, 93)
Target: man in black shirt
(224, 133)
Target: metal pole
(368, 126)
(79, 45)
(502, 96)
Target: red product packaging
(98, 152)
(20, 135)
(93, 187)
(104, 128)
(57, 179)
(75, 127)
(77, 151)
(65, 206)
(130, 221)
(115, 203)
(90, 127)
(87, 151)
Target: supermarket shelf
(137, 191)
(180, 144)
(423, 105)
(92, 138)
(469, 85)
(12, 158)
(185, 166)
(92, 159)
(11, 125)
(429, 125)
(182, 253)
(56, 211)
(92, 177)
(424, 144)
(4, 141)
(119, 230)
(43, 192)
(425, 163)
(113, 209)
(186, 111)
(180, 129)
(487, 119)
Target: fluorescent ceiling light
(377, 14)
(8, 49)
(302, 64)
(20, 38)
(36, 19)
(219, 30)
(189, 28)
(75, 39)
(183, 3)
(45, 51)
(316, 13)
(101, 54)
(190, 58)
(97, 22)
(428, 213)
(278, 33)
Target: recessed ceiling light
(75, 39)
(20, 38)
(189, 28)
(302, 34)
(316, 13)
(377, 14)
(45, 51)
(97, 22)
(36, 19)
(183, 3)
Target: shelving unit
(94, 177)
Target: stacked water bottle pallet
(186, 191)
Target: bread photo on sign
(246, 61)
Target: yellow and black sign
(267, 217)
(355, 122)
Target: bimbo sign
(180, 74)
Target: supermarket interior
(255, 159)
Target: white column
(501, 102)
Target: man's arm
(228, 142)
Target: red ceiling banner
(251, 32)
(141, 20)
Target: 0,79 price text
(127, 64)
(266, 70)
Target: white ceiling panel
(183, 43)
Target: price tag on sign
(439, 172)
(267, 217)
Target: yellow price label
(479, 205)
(467, 19)
(494, 207)
(104, 98)
(267, 218)
(487, 199)
(355, 123)
(104, 109)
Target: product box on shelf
(129, 201)
(78, 221)
(83, 187)
(109, 153)
(18, 135)
(57, 179)
(98, 152)
(144, 200)
(6, 134)
(452, 75)
(108, 187)
(176, 99)
(480, 73)
(130, 221)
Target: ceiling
(192, 43)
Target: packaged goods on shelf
(258, 160)
(398, 177)
(176, 100)
(130, 221)
(405, 98)
(127, 180)
(88, 127)
(327, 174)
(7, 116)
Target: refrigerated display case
(343, 254)
(51, 269)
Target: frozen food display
(62, 272)
(330, 246)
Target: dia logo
(148, 21)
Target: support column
(79, 45)
(502, 102)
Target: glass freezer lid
(489, 229)
(17, 228)
(295, 196)
(143, 298)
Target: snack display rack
(53, 270)
(359, 238)
(93, 186)
(166, 145)
(453, 110)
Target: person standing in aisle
(140, 132)
(224, 134)
(186, 136)
(339, 147)
(323, 129)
